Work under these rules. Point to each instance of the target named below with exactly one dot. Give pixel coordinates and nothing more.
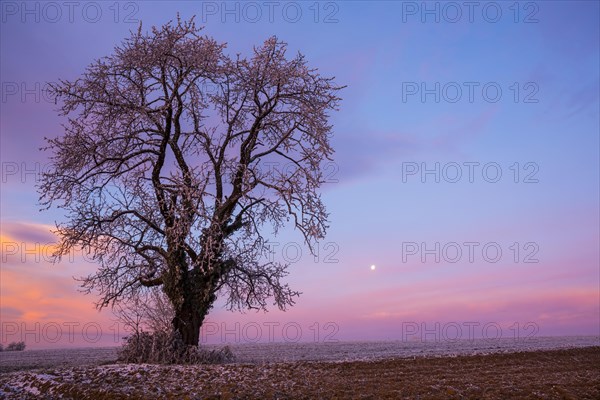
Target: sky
(466, 168)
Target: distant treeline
(14, 346)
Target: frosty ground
(543, 368)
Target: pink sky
(374, 210)
(46, 310)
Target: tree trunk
(197, 291)
(188, 320)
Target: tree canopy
(176, 158)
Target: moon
(373, 267)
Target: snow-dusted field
(365, 351)
(345, 371)
(56, 358)
(497, 369)
(288, 352)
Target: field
(362, 371)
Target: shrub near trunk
(164, 347)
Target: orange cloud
(37, 293)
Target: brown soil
(556, 374)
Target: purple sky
(466, 166)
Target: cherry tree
(176, 161)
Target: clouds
(41, 303)
(553, 312)
(360, 153)
(28, 232)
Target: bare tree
(176, 157)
